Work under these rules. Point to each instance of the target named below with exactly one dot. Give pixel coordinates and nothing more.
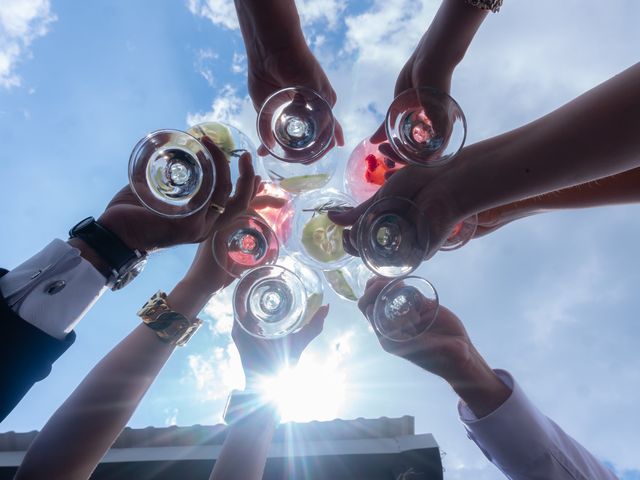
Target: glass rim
(438, 92)
(249, 216)
(360, 240)
(392, 285)
(131, 173)
(284, 270)
(313, 93)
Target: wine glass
(392, 237)
(245, 243)
(273, 301)
(313, 238)
(296, 125)
(405, 309)
(297, 178)
(365, 170)
(171, 173)
(350, 281)
(425, 126)
(231, 140)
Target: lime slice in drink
(218, 133)
(339, 283)
(303, 183)
(322, 239)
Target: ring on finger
(217, 208)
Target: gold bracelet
(493, 5)
(171, 327)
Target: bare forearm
(245, 450)
(480, 388)
(93, 416)
(268, 26)
(450, 33)
(593, 136)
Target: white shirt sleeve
(525, 444)
(53, 289)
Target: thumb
(350, 217)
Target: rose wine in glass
(171, 173)
(296, 125)
(405, 309)
(247, 242)
(392, 237)
(274, 301)
(425, 127)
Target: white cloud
(217, 372)
(220, 12)
(204, 59)
(220, 309)
(239, 63)
(21, 22)
(223, 13)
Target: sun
(314, 390)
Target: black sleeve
(26, 355)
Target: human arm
(508, 428)
(96, 412)
(277, 54)
(620, 189)
(245, 449)
(591, 137)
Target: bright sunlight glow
(314, 390)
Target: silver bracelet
(493, 5)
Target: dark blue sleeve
(26, 355)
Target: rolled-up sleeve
(525, 444)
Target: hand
(141, 229)
(426, 187)
(445, 350)
(264, 357)
(295, 66)
(491, 220)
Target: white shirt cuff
(53, 289)
(523, 443)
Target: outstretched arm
(514, 435)
(245, 450)
(93, 416)
(619, 189)
(277, 54)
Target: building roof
(353, 449)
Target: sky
(553, 298)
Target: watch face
(129, 272)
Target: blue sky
(553, 298)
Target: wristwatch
(171, 327)
(125, 264)
(242, 403)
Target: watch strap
(106, 244)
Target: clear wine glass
(247, 242)
(425, 126)
(297, 178)
(350, 281)
(296, 125)
(273, 301)
(314, 239)
(231, 140)
(171, 173)
(392, 237)
(405, 309)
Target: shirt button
(55, 287)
